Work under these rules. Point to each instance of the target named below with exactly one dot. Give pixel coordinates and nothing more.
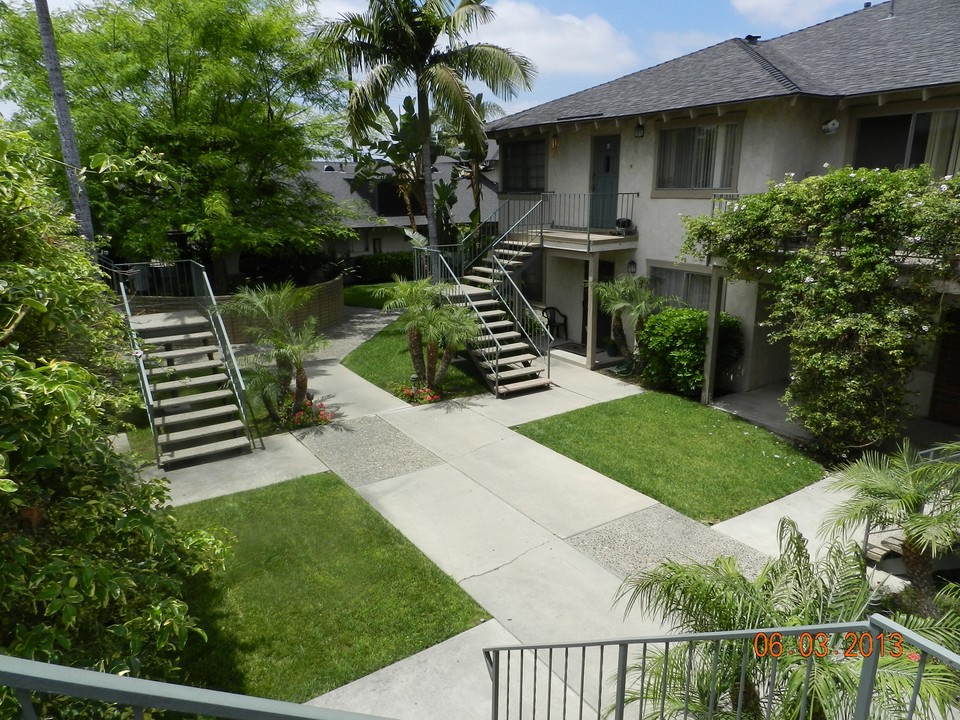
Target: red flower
(914, 656)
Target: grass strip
(318, 591)
(364, 295)
(700, 461)
(384, 361)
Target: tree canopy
(233, 93)
(396, 42)
(854, 263)
(91, 564)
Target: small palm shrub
(672, 347)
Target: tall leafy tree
(851, 262)
(422, 42)
(233, 93)
(92, 565)
(920, 497)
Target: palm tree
(790, 590)
(399, 41)
(68, 138)
(435, 329)
(270, 312)
(922, 497)
(630, 295)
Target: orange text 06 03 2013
(821, 644)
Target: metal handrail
(505, 234)
(514, 291)
(234, 376)
(142, 377)
(574, 212)
(453, 280)
(26, 676)
(640, 668)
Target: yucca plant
(920, 496)
(790, 590)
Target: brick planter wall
(326, 305)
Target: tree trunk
(619, 335)
(271, 407)
(919, 567)
(68, 138)
(415, 347)
(300, 393)
(449, 353)
(433, 354)
(423, 112)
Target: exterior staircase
(509, 360)
(508, 351)
(196, 415)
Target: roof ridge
(776, 73)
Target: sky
(577, 44)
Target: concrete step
(504, 338)
(186, 383)
(182, 352)
(478, 280)
(222, 428)
(513, 360)
(200, 451)
(523, 385)
(184, 368)
(516, 373)
(195, 416)
(195, 399)
(504, 349)
(167, 323)
(181, 338)
(495, 325)
(492, 314)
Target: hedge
(672, 349)
(381, 267)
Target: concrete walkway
(540, 541)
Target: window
(909, 140)
(701, 157)
(525, 166)
(692, 288)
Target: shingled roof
(897, 45)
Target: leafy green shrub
(381, 267)
(672, 349)
(92, 566)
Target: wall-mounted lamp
(639, 131)
(554, 145)
(632, 267)
(830, 127)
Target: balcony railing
(593, 220)
(31, 681)
(870, 669)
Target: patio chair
(556, 321)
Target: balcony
(589, 222)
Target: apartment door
(605, 181)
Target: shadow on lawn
(213, 664)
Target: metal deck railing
(871, 669)
(31, 681)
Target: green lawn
(384, 361)
(363, 295)
(700, 461)
(318, 590)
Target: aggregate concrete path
(540, 541)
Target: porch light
(554, 145)
(632, 267)
(639, 131)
